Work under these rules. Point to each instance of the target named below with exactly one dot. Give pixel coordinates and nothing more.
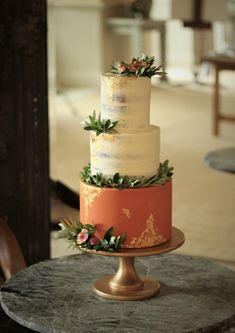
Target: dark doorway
(24, 156)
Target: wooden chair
(220, 63)
(11, 257)
(11, 261)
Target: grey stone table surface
(222, 159)
(56, 296)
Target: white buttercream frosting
(126, 99)
(132, 152)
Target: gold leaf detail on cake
(97, 146)
(126, 211)
(89, 194)
(149, 236)
(114, 84)
(94, 158)
(109, 137)
(93, 136)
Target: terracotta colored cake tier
(144, 214)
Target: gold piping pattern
(89, 194)
(149, 236)
(126, 212)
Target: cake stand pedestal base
(126, 284)
(103, 288)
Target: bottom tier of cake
(143, 214)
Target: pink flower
(136, 64)
(82, 236)
(121, 67)
(94, 240)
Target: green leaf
(97, 247)
(116, 177)
(116, 245)
(91, 229)
(122, 239)
(104, 243)
(107, 123)
(120, 181)
(112, 241)
(88, 128)
(108, 234)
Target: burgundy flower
(94, 240)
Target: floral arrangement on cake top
(84, 236)
(140, 66)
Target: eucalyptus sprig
(163, 175)
(140, 66)
(99, 125)
(84, 236)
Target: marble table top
(56, 296)
(222, 159)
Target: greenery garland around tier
(140, 66)
(84, 237)
(163, 175)
(93, 123)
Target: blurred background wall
(82, 44)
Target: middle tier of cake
(131, 153)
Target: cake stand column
(126, 277)
(126, 284)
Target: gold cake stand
(126, 284)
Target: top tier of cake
(127, 100)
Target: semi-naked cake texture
(126, 99)
(131, 152)
(132, 149)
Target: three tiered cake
(126, 187)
